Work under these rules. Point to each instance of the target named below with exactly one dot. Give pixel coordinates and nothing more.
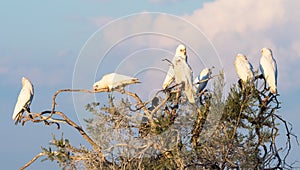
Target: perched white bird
(243, 68)
(200, 81)
(268, 67)
(180, 51)
(114, 81)
(24, 100)
(183, 73)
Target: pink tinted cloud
(245, 27)
(248, 26)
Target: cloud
(222, 16)
(245, 27)
(130, 44)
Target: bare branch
(32, 160)
(160, 105)
(70, 90)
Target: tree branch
(32, 160)
(69, 90)
(85, 136)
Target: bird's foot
(261, 76)
(240, 83)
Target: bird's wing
(251, 67)
(169, 77)
(118, 80)
(269, 70)
(179, 70)
(24, 99)
(114, 80)
(188, 83)
(204, 76)
(238, 64)
(196, 83)
(29, 86)
(250, 73)
(184, 73)
(275, 70)
(244, 69)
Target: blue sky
(43, 40)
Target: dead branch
(69, 90)
(142, 106)
(73, 124)
(160, 105)
(32, 160)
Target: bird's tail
(18, 118)
(189, 94)
(273, 90)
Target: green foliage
(61, 154)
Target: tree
(239, 130)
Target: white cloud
(225, 16)
(233, 26)
(159, 32)
(247, 26)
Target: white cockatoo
(183, 73)
(170, 77)
(243, 68)
(268, 67)
(24, 100)
(200, 81)
(114, 81)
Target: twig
(288, 143)
(211, 77)
(142, 106)
(168, 61)
(32, 160)
(160, 105)
(71, 123)
(85, 136)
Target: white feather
(24, 99)
(113, 80)
(169, 77)
(268, 67)
(243, 68)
